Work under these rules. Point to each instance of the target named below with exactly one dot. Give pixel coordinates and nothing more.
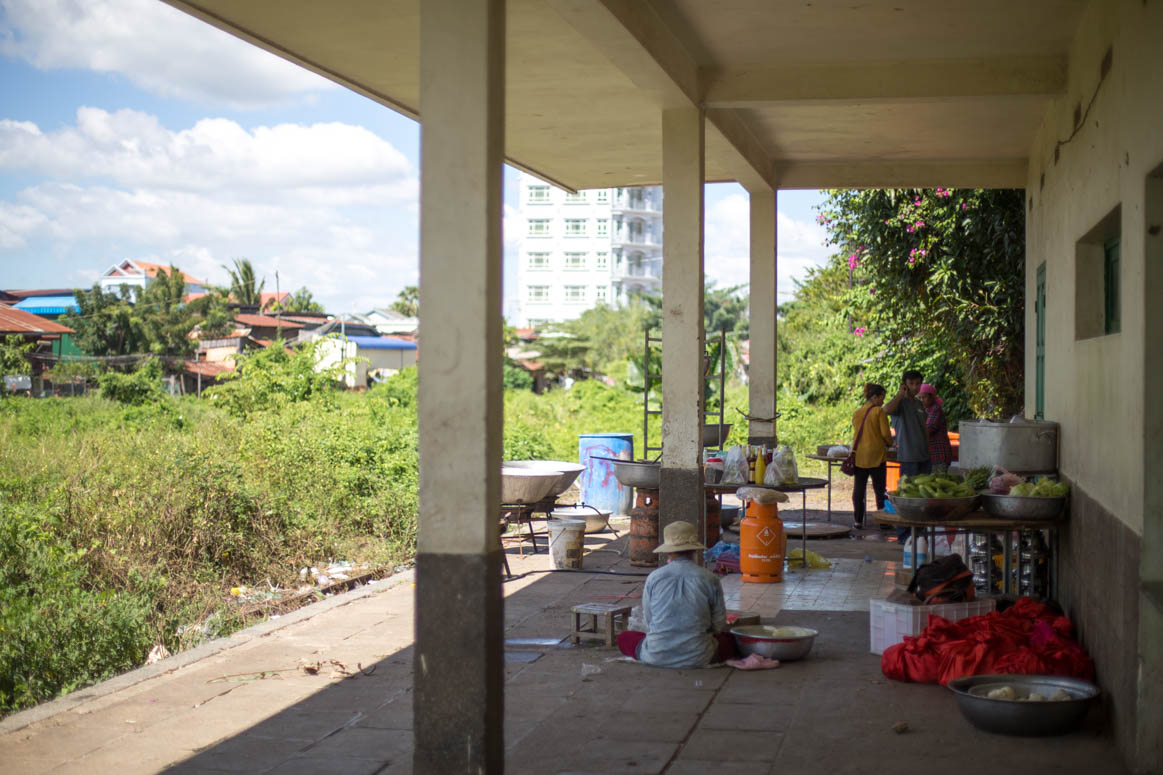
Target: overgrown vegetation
(126, 519)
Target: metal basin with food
(716, 435)
(1023, 506)
(521, 486)
(783, 643)
(934, 509)
(1021, 715)
(596, 519)
(639, 473)
(567, 472)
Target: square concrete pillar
(458, 699)
(761, 375)
(681, 478)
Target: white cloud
(727, 245)
(156, 47)
(329, 206)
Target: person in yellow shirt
(873, 438)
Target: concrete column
(681, 497)
(761, 380)
(459, 612)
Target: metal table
(981, 522)
(831, 461)
(801, 486)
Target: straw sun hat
(679, 537)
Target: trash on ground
(814, 560)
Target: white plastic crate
(889, 623)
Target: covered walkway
(241, 705)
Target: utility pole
(278, 309)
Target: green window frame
(1111, 278)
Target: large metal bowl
(567, 472)
(934, 509)
(1022, 717)
(596, 519)
(521, 486)
(1023, 506)
(640, 473)
(783, 643)
(716, 435)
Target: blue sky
(130, 130)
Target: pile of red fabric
(1027, 638)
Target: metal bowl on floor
(567, 472)
(1022, 716)
(1023, 506)
(934, 509)
(596, 519)
(783, 643)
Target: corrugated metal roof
(381, 343)
(17, 321)
(48, 305)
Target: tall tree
(408, 301)
(938, 275)
(299, 301)
(245, 288)
(105, 321)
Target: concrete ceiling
(798, 94)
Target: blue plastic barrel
(599, 486)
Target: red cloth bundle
(1027, 638)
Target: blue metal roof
(381, 343)
(48, 305)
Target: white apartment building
(580, 250)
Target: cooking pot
(1020, 446)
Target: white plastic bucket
(566, 539)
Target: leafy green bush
(57, 632)
(138, 387)
(274, 377)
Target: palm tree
(243, 287)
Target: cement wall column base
(459, 681)
(681, 499)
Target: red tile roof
(150, 270)
(17, 321)
(209, 368)
(264, 321)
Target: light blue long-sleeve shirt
(682, 605)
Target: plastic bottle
(760, 468)
(922, 554)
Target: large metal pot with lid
(1020, 446)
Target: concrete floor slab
(830, 713)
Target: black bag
(945, 580)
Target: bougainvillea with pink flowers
(937, 281)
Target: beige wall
(1095, 386)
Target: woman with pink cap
(940, 450)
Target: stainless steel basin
(521, 486)
(716, 435)
(567, 472)
(1020, 716)
(636, 474)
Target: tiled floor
(847, 586)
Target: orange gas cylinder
(762, 544)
